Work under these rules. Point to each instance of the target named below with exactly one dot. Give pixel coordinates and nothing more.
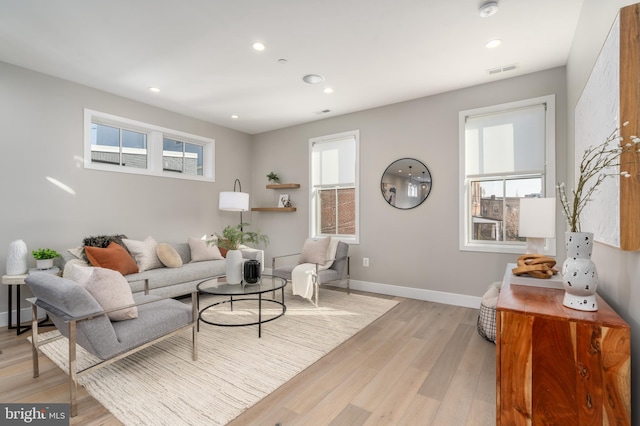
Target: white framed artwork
(283, 200)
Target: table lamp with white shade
(537, 222)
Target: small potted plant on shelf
(44, 257)
(273, 177)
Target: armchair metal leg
(73, 387)
(34, 340)
(348, 275)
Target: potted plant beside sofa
(44, 257)
(231, 239)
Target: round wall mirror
(406, 183)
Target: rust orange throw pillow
(113, 257)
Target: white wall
(417, 248)
(618, 271)
(41, 134)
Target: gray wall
(618, 271)
(41, 131)
(415, 248)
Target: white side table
(18, 281)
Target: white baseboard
(417, 293)
(25, 315)
(412, 293)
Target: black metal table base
(18, 326)
(245, 324)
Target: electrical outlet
(365, 261)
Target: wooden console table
(556, 365)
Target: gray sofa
(173, 282)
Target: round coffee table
(241, 292)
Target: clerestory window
(119, 144)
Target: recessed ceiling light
(258, 46)
(493, 43)
(328, 90)
(234, 116)
(488, 9)
(154, 89)
(313, 78)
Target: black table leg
(18, 327)
(9, 307)
(259, 315)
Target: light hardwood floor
(422, 363)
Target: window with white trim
(334, 176)
(507, 152)
(119, 144)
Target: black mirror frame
(383, 190)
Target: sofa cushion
(193, 272)
(113, 257)
(102, 241)
(201, 251)
(144, 253)
(168, 255)
(315, 251)
(110, 289)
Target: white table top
(19, 279)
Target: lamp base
(535, 245)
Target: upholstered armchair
(339, 270)
(80, 318)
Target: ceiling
(199, 52)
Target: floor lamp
(236, 201)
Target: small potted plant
(44, 257)
(273, 177)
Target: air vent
(502, 69)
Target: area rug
(162, 385)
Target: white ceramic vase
(579, 274)
(17, 258)
(234, 267)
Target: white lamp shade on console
(537, 222)
(234, 201)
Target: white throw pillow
(110, 289)
(144, 253)
(201, 251)
(315, 251)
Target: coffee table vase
(234, 267)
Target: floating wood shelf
(283, 185)
(273, 209)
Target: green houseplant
(273, 177)
(44, 257)
(234, 236)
